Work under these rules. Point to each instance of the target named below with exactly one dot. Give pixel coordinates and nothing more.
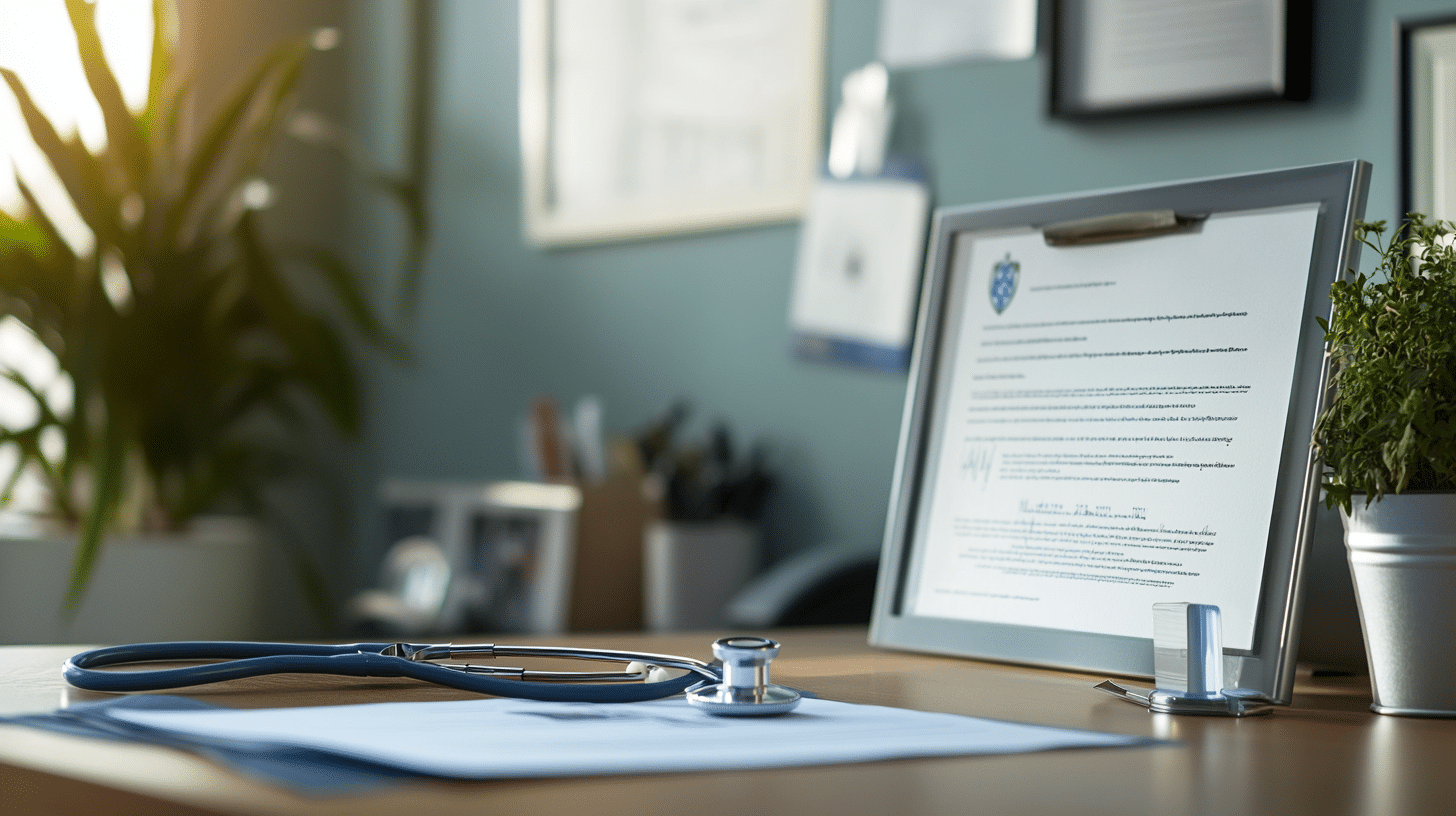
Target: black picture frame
(1077, 57)
(1417, 175)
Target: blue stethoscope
(739, 687)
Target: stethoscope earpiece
(745, 690)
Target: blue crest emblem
(1004, 277)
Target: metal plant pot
(1403, 562)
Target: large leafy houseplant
(1390, 426)
(193, 345)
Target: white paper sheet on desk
(496, 738)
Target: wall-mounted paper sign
(922, 33)
(1117, 56)
(858, 271)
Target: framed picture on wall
(1428, 116)
(648, 119)
(1118, 56)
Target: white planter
(1403, 561)
(691, 570)
(201, 585)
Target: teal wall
(704, 316)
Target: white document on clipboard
(1103, 408)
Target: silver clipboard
(1268, 667)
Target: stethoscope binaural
(739, 688)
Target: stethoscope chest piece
(745, 690)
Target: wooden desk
(1326, 754)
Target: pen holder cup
(606, 583)
(1402, 553)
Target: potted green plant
(195, 349)
(1387, 438)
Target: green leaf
(311, 578)
(164, 21)
(344, 283)
(122, 130)
(63, 160)
(110, 472)
(209, 174)
(313, 345)
(407, 195)
(43, 224)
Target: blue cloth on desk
(306, 769)
(345, 748)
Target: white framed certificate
(650, 118)
(1111, 406)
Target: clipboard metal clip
(1188, 661)
(1126, 226)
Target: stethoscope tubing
(248, 659)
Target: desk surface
(1325, 754)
